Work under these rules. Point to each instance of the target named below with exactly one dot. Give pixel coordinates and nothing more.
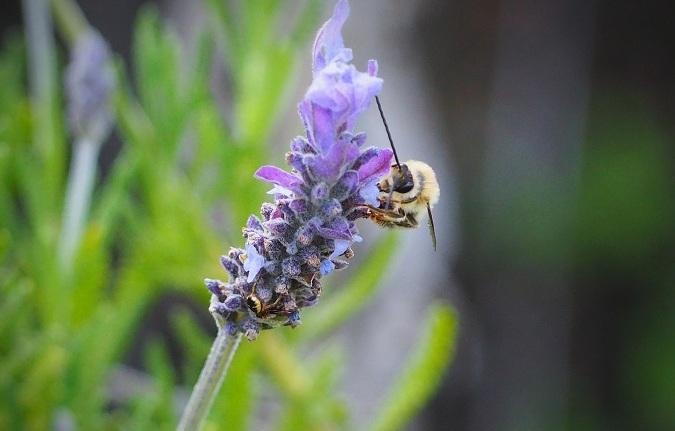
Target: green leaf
(423, 373)
(161, 87)
(352, 298)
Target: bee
(257, 306)
(407, 193)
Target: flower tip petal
(372, 67)
(328, 42)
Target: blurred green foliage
(160, 216)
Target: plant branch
(210, 380)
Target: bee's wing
(432, 231)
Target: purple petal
(372, 67)
(275, 175)
(359, 139)
(280, 190)
(323, 128)
(330, 167)
(327, 267)
(336, 229)
(328, 43)
(341, 245)
(370, 193)
(253, 263)
(377, 166)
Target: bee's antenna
(386, 127)
(432, 230)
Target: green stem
(210, 380)
(70, 19)
(78, 196)
(42, 79)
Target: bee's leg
(408, 222)
(386, 213)
(389, 200)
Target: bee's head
(399, 180)
(402, 179)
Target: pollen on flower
(308, 231)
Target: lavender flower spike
(308, 231)
(89, 85)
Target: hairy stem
(209, 382)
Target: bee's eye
(403, 182)
(405, 187)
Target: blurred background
(549, 124)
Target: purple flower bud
(330, 209)
(345, 186)
(292, 248)
(251, 329)
(290, 267)
(215, 286)
(304, 235)
(231, 266)
(264, 292)
(221, 309)
(281, 285)
(233, 302)
(272, 267)
(300, 207)
(231, 328)
(300, 144)
(319, 192)
(266, 210)
(294, 319)
(254, 224)
(279, 228)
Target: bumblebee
(407, 193)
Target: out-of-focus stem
(70, 19)
(210, 380)
(42, 80)
(40, 55)
(78, 196)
